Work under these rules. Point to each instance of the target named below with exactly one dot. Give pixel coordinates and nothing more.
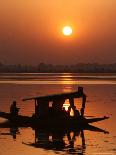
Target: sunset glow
(57, 32)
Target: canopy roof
(76, 94)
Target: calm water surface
(101, 100)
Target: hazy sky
(31, 31)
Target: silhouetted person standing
(13, 109)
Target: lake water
(101, 101)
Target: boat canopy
(75, 94)
(42, 102)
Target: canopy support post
(83, 105)
(36, 108)
(71, 100)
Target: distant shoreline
(50, 68)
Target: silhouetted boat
(49, 113)
(25, 121)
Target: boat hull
(59, 122)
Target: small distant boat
(49, 113)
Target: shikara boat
(49, 113)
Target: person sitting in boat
(13, 109)
(76, 113)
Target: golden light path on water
(67, 82)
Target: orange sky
(31, 31)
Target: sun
(67, 30)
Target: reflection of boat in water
(58, 140)
(50, 113)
